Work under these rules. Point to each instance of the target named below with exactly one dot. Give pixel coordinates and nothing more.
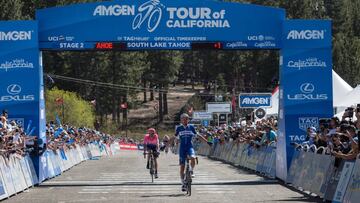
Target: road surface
(123, 178)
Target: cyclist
(185, 134)
(151, 143)
(166, 140)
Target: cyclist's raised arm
(198, 134)
(145, 144)
(202, 137)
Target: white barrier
(18, 173)
(261, 159)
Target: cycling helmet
(184, 115)
(151, 130)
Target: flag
(124, 106)
(28, 127)
(50, 79)
(233, 102)
(93, 102)
(58, 121)
(32, 131)
(59, 101)
(58, 132)
(62, 154)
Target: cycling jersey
(185, 134)
(151, 143)
(151, 140)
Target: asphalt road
(123, 178)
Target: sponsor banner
(205, 123)
(307, 34)
(306, 84)
(160, 24)
(346, 174)
(124, 146)
(254, 100)
(202, 115)
(333, 181)
(21, 84)
(3, 193)
(318, 173)
(353, 188)
(220, 107)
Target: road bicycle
(187, 177)
(151, 165)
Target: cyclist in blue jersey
(185, 134)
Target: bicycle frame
(151, 164)
(187, 177)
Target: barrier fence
(318, 173)
(261, 159)
(18, 173)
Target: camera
(349, 112)
(357, 108)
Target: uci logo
(150, 11)
(307, 88)
(14, 89)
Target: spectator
(268, 136)
(13, 139)
(352, 154)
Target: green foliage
(73, 109)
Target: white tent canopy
(351, 99)
(340, 89)
(340, 114)
(274, 103)
(343, 94)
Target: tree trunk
(151, 93)
(161, 110)
(166, 112)
(145, 98)
(118, 112)
(125, 114)
(113, 112)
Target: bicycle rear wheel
(152, 169)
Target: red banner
(127, 146)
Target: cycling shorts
(184, 152)
(152, 147)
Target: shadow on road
(173, 195)
(298, 199)
(261, 182)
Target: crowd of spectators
(15, 139)
(339, 137)
(259, 133)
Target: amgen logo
(306, 34)
(256, 100)
(114, 10)
(15, 35)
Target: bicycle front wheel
(189, 188)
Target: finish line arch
(305, 52)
